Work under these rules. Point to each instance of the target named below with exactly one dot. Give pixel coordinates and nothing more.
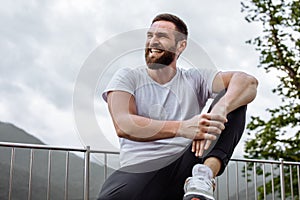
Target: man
(156, 111)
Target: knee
(110, 197)
(116, 194)
(238, 114)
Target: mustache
(155, 47)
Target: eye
(149, 35)
(162, 35)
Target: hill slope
(40, 170)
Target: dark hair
(179, 24)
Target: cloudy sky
(45, 44)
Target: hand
(202, 126)
(199, 146)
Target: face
(160, 45)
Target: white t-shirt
(181, 98)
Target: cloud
(44, 44)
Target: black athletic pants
(167, 183)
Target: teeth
(155, 50)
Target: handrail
(265, 161)
(86, 173)
(51, 147)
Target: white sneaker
(200, 185)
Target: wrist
(175, 129)
(221, 108)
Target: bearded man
(168, 148)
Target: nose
(152, 41)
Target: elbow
(125, 134)
(124, 131)
(252, 83)
(247, 80)
(119, 131)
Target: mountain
(11, 133)
(39, 181)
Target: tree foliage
(279, 47)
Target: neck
(163, 75)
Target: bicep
(120, 103)
(221, 81)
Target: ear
(181, 45)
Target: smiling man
(160, 46)
(156, 111)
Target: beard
(162, 61)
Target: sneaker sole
(196, 197)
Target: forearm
(138, 128)
(128, 124)
(241, 90)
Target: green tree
(279, 47)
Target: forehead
(162, 26)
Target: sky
(46, 45)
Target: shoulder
(127, 74)
(125, 79)
(127, 71)
(198, 73)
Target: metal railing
(243, 178)
(259, 179)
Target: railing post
(264, 181)
(87, 173)
(246, 178)
(255, 180)
(67, 175)
(282, 179)
(237, 180)
(11, 172)
(105, 166)
(30, 175)
(298, 175)
(49, 174)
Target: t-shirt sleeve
(121, 81)
(209, 76)
(203, 82)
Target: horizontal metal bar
(80, 149)
(104, 152)
(39, 146)
(50, 147)
(264, 161)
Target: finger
(197, 146)
(207, 144)
(208, 136)
(217, 124)
(211, 129)
(194, 146)
(202, 144)
(215, 117)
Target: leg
(163, 184)
(180, 170)
(229, 138)
(220, 151)
(214, 164)
(123, 185)
(201, 185)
